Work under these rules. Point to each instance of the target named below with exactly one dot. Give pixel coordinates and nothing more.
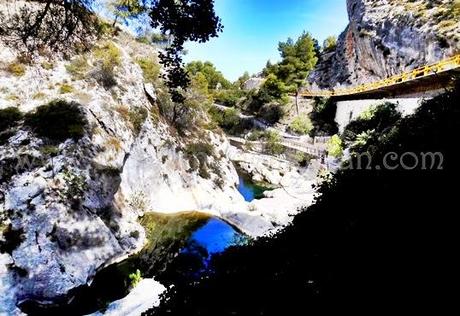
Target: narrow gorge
(133, 183)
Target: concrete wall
(348, 111)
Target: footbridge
(312, 146)
(422, 79)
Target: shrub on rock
(16, 69)
(9, 117)
(57, 120)
(301, 125)
(377, 119)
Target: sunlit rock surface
(144, 296)
(386, 38)
(294, 189)
(125, 174)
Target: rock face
(294, 189)
(253, 83)
(121, 168)
(61, 245)
(118, 169)
(385, 38)
(144, 296)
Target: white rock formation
(294, 190)
(253, 83)
(125, 174)
(144, 296)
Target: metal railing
(316, 150)
(415, 74)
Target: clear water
(212, 238)
(216, 236)
(179, 246)
(249, 190)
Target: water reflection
(179, 248)
(248, 189)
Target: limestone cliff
(129, 161)
(387, 37)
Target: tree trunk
(297, 101)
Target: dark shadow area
(179, 248)
(376, 240)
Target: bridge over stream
(314, 147)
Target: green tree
(377, 119)
(214, 77)
(269, 68)
(158, 38)
(330, 43)
(334, 146)
(197, 100)
(301, 125)
(298, 59)
(200, 83)
(273, 88)
(135, 278)
(239, 84)
(317, 47)
(229, 97)
(182, 21)
(125, 9)
(269, 100)
(198, 95)
(273, 143)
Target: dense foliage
(125, 9)
(330, 43)
(183, 20)
(57, 120)
(9, 117)
(335, 147)
(272, 143)
(374, 123)
(214, 77)
(376, 239)
(268, 101)
(301, 124)
(323, 117)
(227, 119)
(298, 59)
(229, 97)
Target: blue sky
(253, 28)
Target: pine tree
(330, 43)
(125, 9)
(298, 59)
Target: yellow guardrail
(424, 71)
